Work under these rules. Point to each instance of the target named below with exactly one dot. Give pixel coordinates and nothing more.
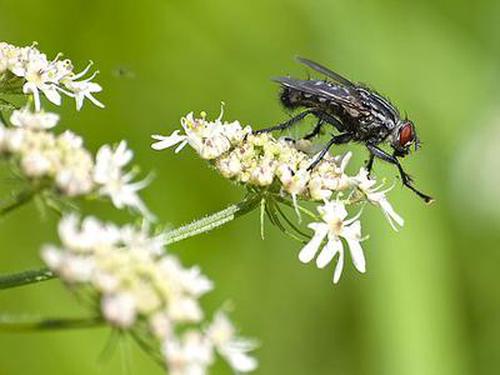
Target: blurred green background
(429, 303)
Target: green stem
(213, 221)
(25, 277)
(21, 198)
(197, 227)
(41, 324)
(299, 207)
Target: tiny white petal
(311, 248)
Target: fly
(358, 113)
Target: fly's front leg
(287, 124)
(335, 140)
(405, 178)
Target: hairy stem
(26, 277)
(12, 324)
(196, 227)
(213, 221)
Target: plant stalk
(21, 198)
(8, 324)
(25, 277)
(213, 221)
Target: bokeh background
(429, 303)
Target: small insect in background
(358, 113)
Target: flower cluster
(138, 286)
(27, 70)
(283, 167)
(62, 159)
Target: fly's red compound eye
(406, 135)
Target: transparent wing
(324, 70)
(337, 93)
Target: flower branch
(26, 277)
(15, 324)
(213, 221)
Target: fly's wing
(324, 70)
(347, 96)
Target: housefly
(357, 112)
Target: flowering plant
(124, 273)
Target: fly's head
(403, 138)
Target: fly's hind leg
(287, 124)
(315, 131)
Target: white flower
(134, 238)
(334, 227)
(24, 118)
(183, 308)
(329, 176)
(126, 266)
(119, 309)
(115, 182)
(377, 197)
(87, 236)
(189, 356)
(42, 154)
(232, 348)
(169, 141)
(37, 74)
(190, 280)
(84, 89)
(210, 139)
(35, 164)
(72, 268)
(160, 324)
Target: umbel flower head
(29, 71)
(281, 168)
(140, 289)
(62, 160)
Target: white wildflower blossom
(190, 355)
(24, 118)
(209, 139)
(281, 167)
(119, 309)
(27, 70)
(232, 348)
(259, 159)
(84, 88)
(334, 228)
(114, 182)
(119, 267)
(63, 159)
(133, 283)
(42, 154)
(377, 197)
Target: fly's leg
(324, 118)
(287, 124)
(315, 131)
(335, 140)
(405, 178)
(369, 164)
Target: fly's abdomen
(291, 98)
